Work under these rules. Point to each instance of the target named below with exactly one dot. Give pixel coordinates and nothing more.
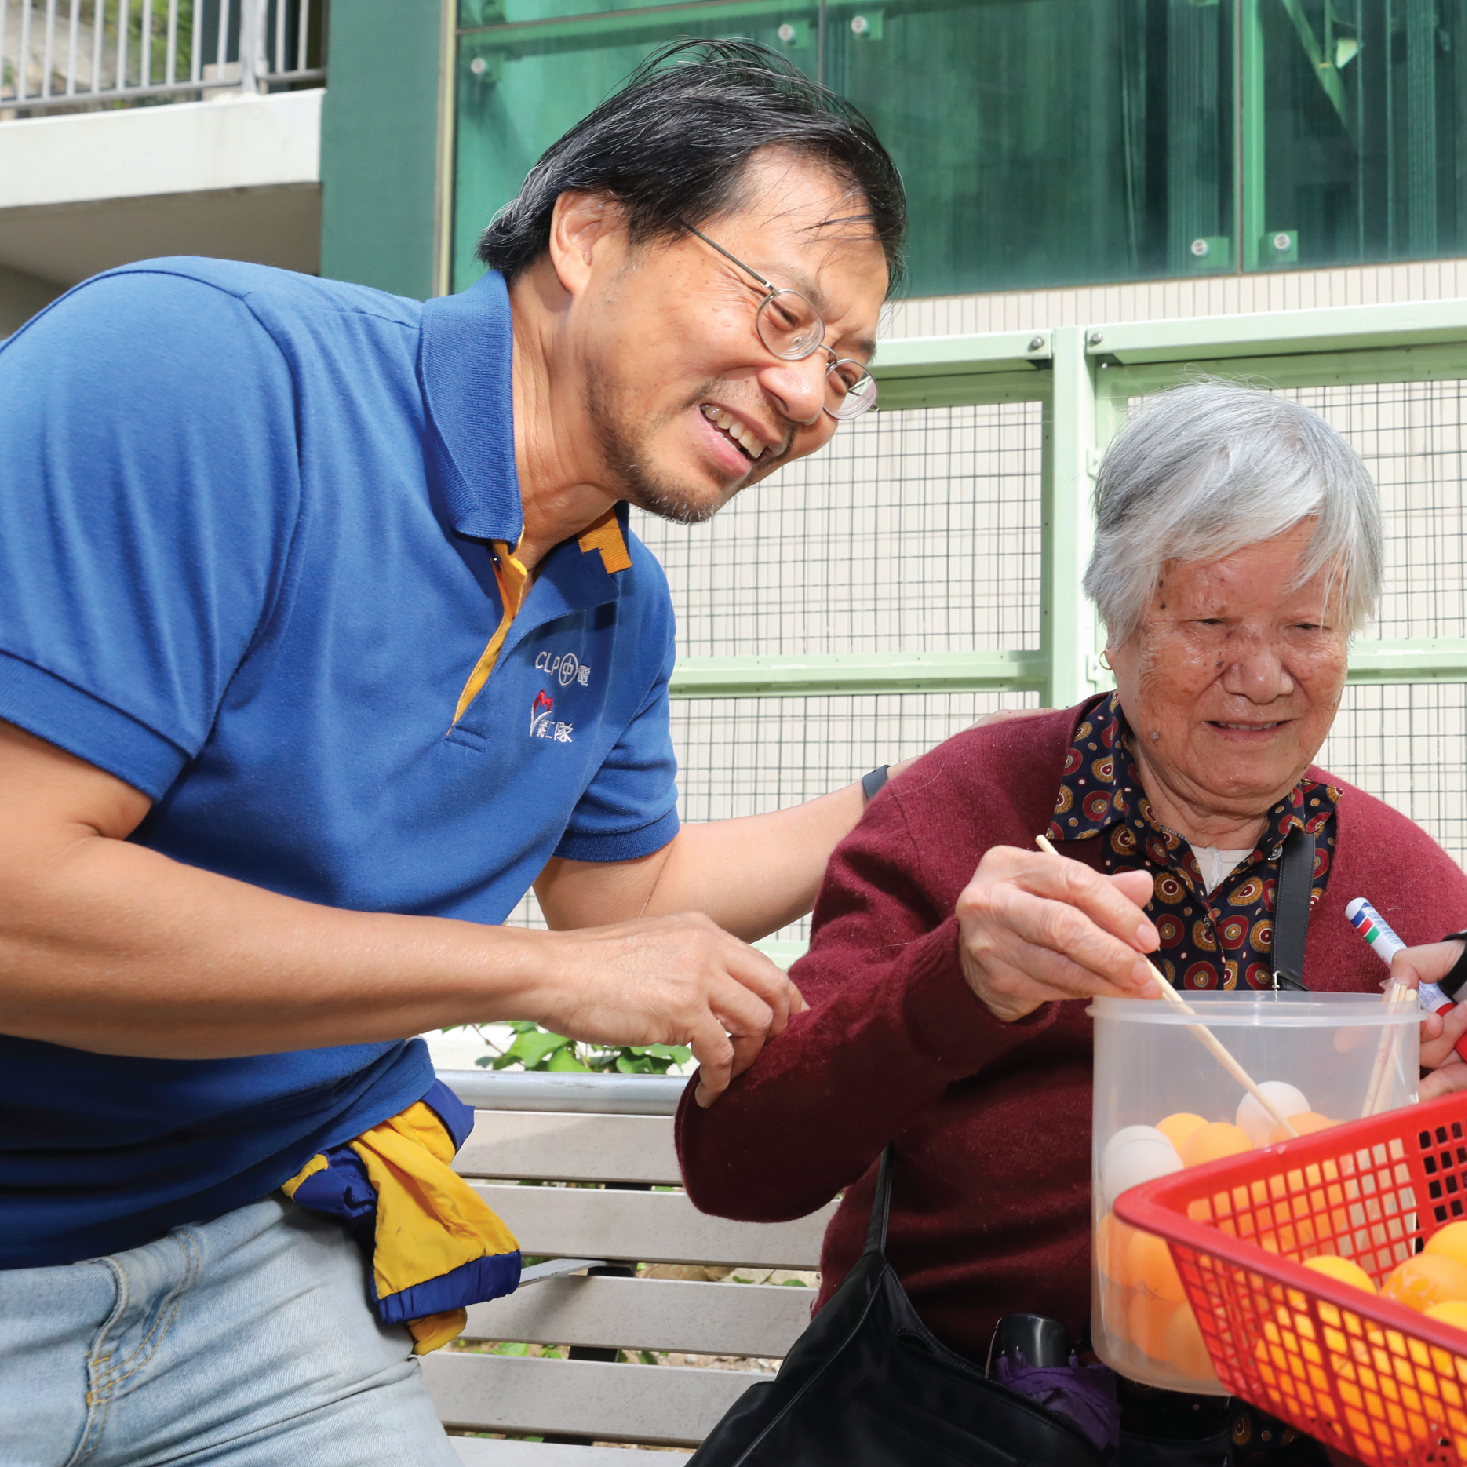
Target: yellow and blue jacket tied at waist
(435, 1246)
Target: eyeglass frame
(818, 345)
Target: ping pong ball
(1256, 1122)
(1134, 1155)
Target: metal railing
(70, 55)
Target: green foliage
(535, 1048)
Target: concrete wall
(236, 177)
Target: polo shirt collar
(465, 360)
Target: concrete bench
(617, 1131)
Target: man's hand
(670, 980)
(1439, 1033)
(1037, 927)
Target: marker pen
(1434, 998)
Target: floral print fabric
(1217, 940)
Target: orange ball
(1112, 1248)
(1148, 1320)
(1453, 1312)
(1115, 1310)
(1342, 1270)
(1214, 1141)
(1149, 1264)
(1185, 1347)
(1306, 1123)
(1427, 1279)
(1449, 1242)
(1176, 1128)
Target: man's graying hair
(1206, 469)
(671, 145)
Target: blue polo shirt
(243, 567)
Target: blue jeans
(247, 1341)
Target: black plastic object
(1029, 1339)
(869, 1385)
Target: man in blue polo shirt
(322, 637)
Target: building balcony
(135, 128)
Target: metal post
(23, 56)
(72, 24)
(1067, 621)
(251, 44)
(1252, 177)
(1421, 46)
(48, 62)
(99, 16)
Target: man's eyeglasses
(791, 328)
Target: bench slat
(657, 1404)
(476, 1452)
(649, 1314)
(649, 1227)
(544, 1146)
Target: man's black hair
(671, 144)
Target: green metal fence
(926, 568)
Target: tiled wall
(1216, 295)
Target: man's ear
(583, 227)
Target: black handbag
(869, 1385)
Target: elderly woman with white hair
(1238, 547)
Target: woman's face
(1233, 680)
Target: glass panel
(1049, 142)
(1354, 149)
(521, 85)
(1044, 142)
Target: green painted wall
(379, 144)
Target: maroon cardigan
(990, 1120)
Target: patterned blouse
(1222, 939)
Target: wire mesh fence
(1407, 745)
(920, 531)
(1412, 438)
(913, 531)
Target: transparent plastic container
(1163, 1101)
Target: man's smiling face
(687, 404)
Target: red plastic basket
(1366, 1375)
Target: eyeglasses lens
(789, 325)
(791, 328)
(849, 390)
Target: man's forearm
(752, 875)
(756, 874)
(108, 946)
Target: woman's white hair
(1204, 470)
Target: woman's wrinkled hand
(1440, 1033)
(1037, 927)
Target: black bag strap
(1291, 908)
(880, 1207)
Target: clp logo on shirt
(566, 666)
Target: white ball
(1134, 1155)
(1257, 1122)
